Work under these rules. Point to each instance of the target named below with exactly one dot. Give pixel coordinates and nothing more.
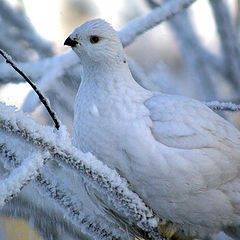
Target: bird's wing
(200, 178)
(203, 149)
(185, 123)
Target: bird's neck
(107, 76)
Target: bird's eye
(94, 39)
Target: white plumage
(177, 154)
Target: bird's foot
(167, 230)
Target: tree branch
(20, 176)
(75, 214)
(71, 206)
(223, 106)
(140, 25)
(41, 97)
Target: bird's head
(96, 41)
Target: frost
(223, 106)
(109, 185)
(20, 176)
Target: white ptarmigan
(177, 154)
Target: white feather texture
(177, 154)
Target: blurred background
(54, 20)
(185, 56)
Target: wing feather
(185, 123)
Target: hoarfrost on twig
(223, 106)
(20, 176)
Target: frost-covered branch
(75, 214)
(118, 195)
(20, 176)
(127, 35)
(223, 106)
(229, 41)
(71, 206)
(193, 56)
(7, 156)
(140, 25)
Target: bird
(177, 154)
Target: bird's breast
(100, 124)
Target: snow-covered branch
(20, 176)
(71, 207)
(223, 106)
(118, 195)
(74, 212)
(140, 25)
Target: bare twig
(37, 69)
(41, 97)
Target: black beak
(70, 42)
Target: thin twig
(41, 97)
